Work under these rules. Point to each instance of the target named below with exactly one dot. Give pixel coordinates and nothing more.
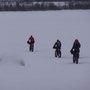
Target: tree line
(35, 5)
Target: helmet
(57, 40)
(76, 41)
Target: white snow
(40, 70)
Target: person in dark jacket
(31, 42)
(76, 47)
(57, 46)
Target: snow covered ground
(40, 70)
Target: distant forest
(37, 5)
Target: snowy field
(40, 70)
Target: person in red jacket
(31, 42)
